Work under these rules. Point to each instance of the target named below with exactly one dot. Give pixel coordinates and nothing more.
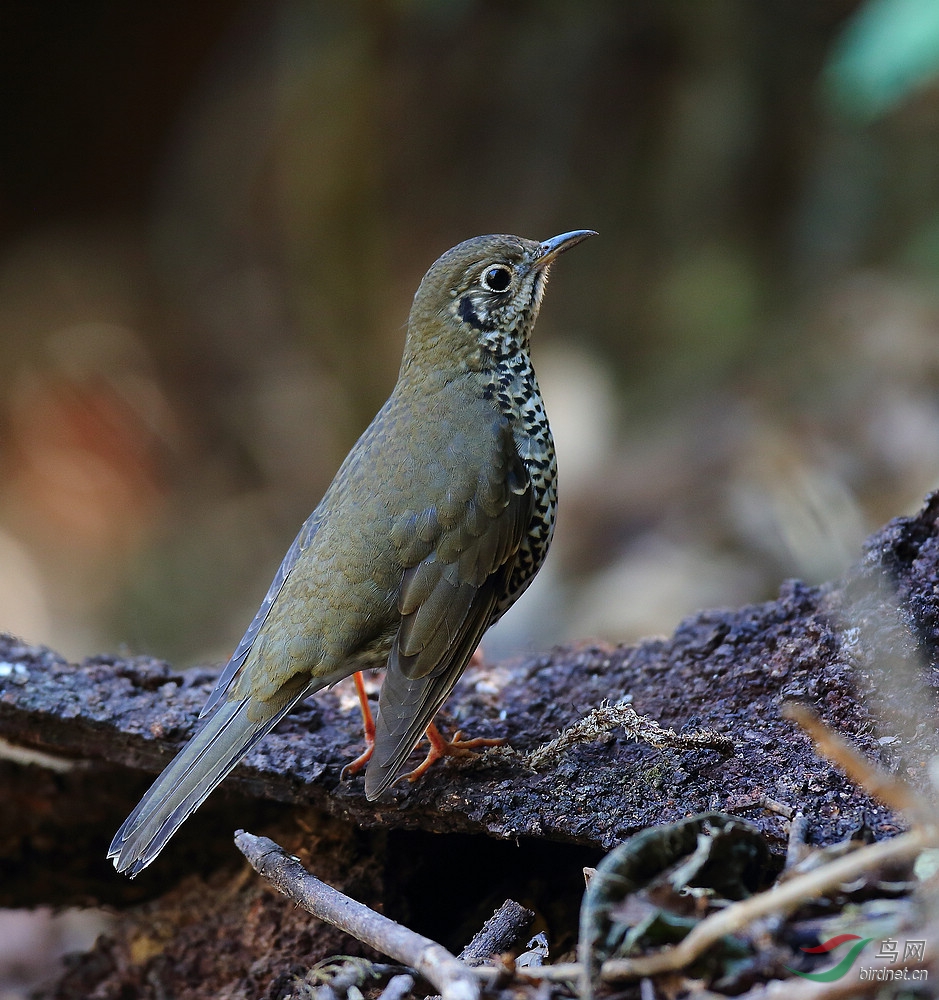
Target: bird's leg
(440, 746)
(368, 724)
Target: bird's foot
(440, 746)
(354, 766)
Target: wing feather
(447, 601)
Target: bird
(435, 523)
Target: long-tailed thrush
(436, 522)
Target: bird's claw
(354, 766)
(440, 746)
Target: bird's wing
(300, 543)
(447, 601)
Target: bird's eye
(496, 278)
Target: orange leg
(440, 746)
(368, 724)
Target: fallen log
(602, 741)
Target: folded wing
(447, 600)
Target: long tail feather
(224, 738)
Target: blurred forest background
(213, 218)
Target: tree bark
(580, 768)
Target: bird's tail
(223, 739)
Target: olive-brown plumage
(435, 523)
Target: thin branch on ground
(398, 987)
(796, 848)
(454, 979)
(499, 933)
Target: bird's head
(479, 301)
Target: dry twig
(447, 973)
(398, 987)
(499, 933)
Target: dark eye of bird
(497, 278)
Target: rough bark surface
(861, 651)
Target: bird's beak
(558, 244)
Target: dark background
(213, 217)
